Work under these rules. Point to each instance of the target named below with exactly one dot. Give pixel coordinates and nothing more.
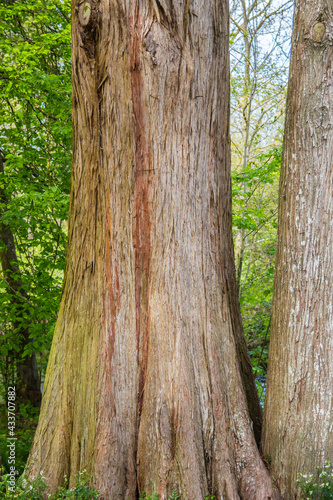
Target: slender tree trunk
(298, 417)
(144, 383)
(27, 371)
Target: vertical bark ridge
(115, 444)
(143, 172)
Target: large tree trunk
(28, 383)
(298, 417)
(144, 386)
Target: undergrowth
(317, 486)
(26, 423)
(36, 489)
(174, 496)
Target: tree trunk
(27, 371)
(298, 417)
(144, 386)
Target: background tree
(259, 46)
(298, 412)
(144, 386)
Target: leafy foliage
(319, 486)
(36, 489)
(255, 224)
(35, 135)
(144, 496)
(26, 423)
(259, 48)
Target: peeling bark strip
(298, 418)
(144, 386)
(141, 204)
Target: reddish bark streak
(108, 351)
(111, 261)
(160, 489)
(141, 218)
(108, 264)
(110, 286)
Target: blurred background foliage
(260, 38)
(35, 154)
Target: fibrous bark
(298, 418)
(144, 384)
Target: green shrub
(318, 486)
(26, 422)
(27, 489)
(174, 496)
(154, 496)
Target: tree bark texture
(298, 419)
(27, 371)
(144, 385)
